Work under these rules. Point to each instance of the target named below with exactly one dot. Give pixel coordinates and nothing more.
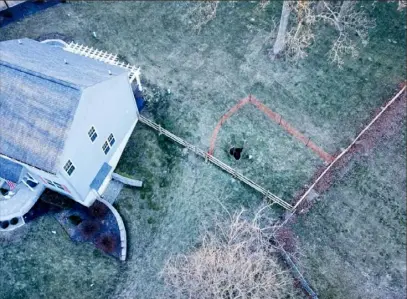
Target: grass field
(207, 73)
(41, 264)
(354, 240)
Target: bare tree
(352, 25)
(263, 4)
(201, 13)
(235, 260)
(301, 36)
(298, 25)
(280, 42)
(402, 4)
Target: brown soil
(387, 125)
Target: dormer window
(92, 134)
(69, 167)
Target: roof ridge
(40, 75)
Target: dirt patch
(385, 126)
(352, 242)
(96, 225)
(286, 238)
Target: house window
(69, 168)
(111, 139)
(92, 134)
(106, 147)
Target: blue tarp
(140, 102)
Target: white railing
(106, 57)
(274, 198)
(349, 147)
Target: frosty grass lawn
(192, 80)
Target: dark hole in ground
(75, 220)
(236, 152)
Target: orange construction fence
(276, 118)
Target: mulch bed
(96, 225)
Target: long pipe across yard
(348, 148)
(208, 157)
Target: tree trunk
(282, 29)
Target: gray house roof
(48, 62)
(39, 95)
(10, 170)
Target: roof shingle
(39, 95)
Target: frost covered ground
(206, 74)
(354, 240)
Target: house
(65, 120)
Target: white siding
(42, 177)
(109, 107)
(113, 162)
